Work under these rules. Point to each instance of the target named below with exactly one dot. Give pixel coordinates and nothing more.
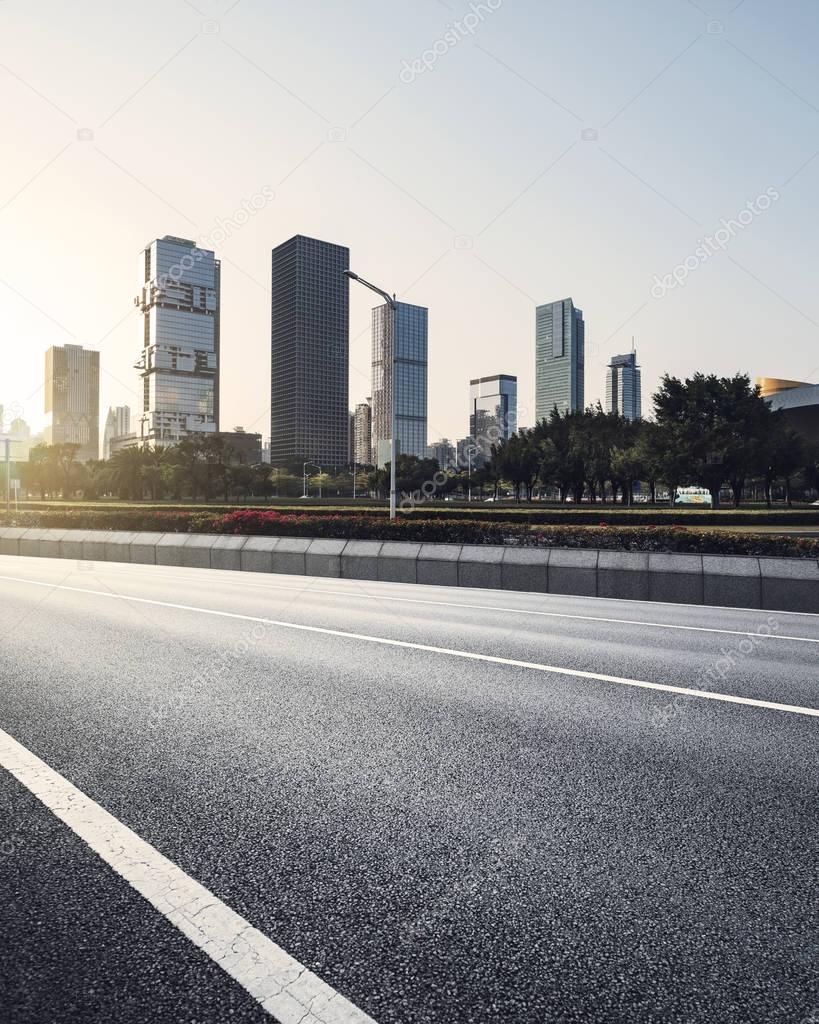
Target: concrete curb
(776, 584)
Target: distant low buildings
(444, 452)
(117, 425)
(623, 387)
(72, 399)
(242, 447)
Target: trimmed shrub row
(456, 531)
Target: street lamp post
(391, 302)
(8, 476)
(315, 465)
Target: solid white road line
(310, 590)
(726, 698)
(285, 988)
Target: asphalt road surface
(449, 805)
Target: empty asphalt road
(230, 795)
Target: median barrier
(359, 559)
(777, 584)
(623, 574)
(525, 569)
(143, 548)
(677, 578)
(289, 555)
(323, 557)
(226, 553)
(398, 561)
(572, 571)
(790, 584)
(481, 565)
(732, 581)
(256, 554)
(438, 564)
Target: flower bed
(433, 530)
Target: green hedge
(532, 515)
(458, 531)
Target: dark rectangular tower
(310, 346)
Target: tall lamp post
(390, 300)
(315, 465)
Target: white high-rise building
(179, 362)
(623, 388)
(117, 425)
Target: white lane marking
(496, 608)
(451, 652)
(130, 566)
(285, 988)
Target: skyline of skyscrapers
(179, 364)
(310, 353)
(72, 399)
(560, 333)
(623, 387)
(411, 358)
(493, 411)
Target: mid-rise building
(493, 411)
(623, 388)
(242, 447)
(411, 381)
(117, 424)
(798, 402)
(179, 363)
(362, 433)
(72, 399)
(560, 336)
(443, 452)
(310, 349)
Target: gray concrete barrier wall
(779, 584)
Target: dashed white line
(285, 988)
(726, 698)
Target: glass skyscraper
(493, 411)
(560, 334)
(623, 390)
(179, 363)
(310, 349)
(411, 384)
(72, 399)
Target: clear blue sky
(477, 187)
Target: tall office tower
(443, 452)
(117, 424)
(362, 433)
(179, 362)
(72, 399)
(411, 383)
(493, 411)
(559, 358)
(310, 345)
(623, 392)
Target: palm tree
(126, 468)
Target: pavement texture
(440, 839)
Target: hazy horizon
(541, 153)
